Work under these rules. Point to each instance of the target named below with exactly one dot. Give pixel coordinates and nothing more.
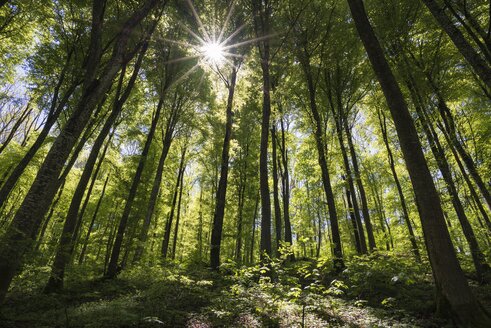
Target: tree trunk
(91, 224)
(25, 113)
(439, 154)
(352, 216)
(402, 198)
(47, 220)
(168, 225)
(482, 69)
(355, 209)
(178, 216)
(15, 175)
(74, 218)
(453, 292)
(450, 129)
(364, 203)
(240, 208)
(167, 141)
(262, 14)
(276, 199)
(253, 238)
(285, 186)
(321, 157)
(112, 269)
(220, 199)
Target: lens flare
(213, 52)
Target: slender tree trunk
(352, 216)
(262, 14)
(110, 241)
(168, 225)
(254, 218)
(364, 203)
(108, 226)
(25, 113)
(276, 199)
(200, 222)
(216, 232)
(286, 186)
(319, 234)
(240, 209)
(167, 141)
(112, 269)
(351, 186)
(321, 157)
(178, 216)
(402, 198)
(453, 292)
(439, 154)
(482, 69)
(91, 224)
(74, 217)
(47, 220)
(450, 129)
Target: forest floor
(375, 291)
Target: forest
(245, 163)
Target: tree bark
(285, 182)
(168, 225)
(357, 175)
(167, 141)
(91, 224)
(220, 199)
(112, 269)
(73, 219)
(276, 199)
(352, 200)
(482, 69)
(178, 216)
(24, 114)
(321, 157)
(436, 148)
(262, 14)
(402, 198)
(453, 292)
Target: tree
(451, 285)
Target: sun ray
(181, 59)
(198, 20)
(185, 75)
(196, 36)
(243, 43)
(181, 43)
(231, 54)
(237, 31)
(227, 19)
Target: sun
(213, 52)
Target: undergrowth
(373, 291)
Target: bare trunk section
(262, 14)
(276, 199)
(74, 216)
(453, 292)
(178, 216)
(436, 148)
(166, 143)
(220, 199)
(168, 224)
(92, 222)
(402, 198)
(364, 203)
(321, 153)
(482, 69)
